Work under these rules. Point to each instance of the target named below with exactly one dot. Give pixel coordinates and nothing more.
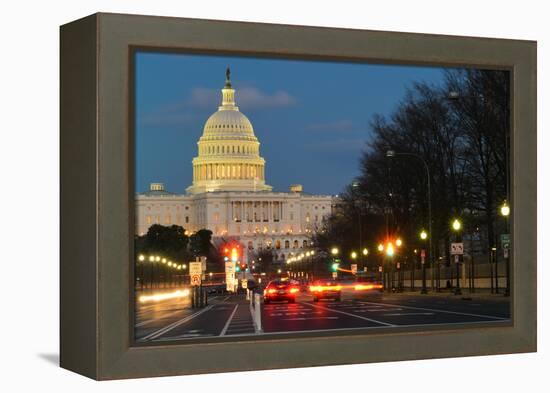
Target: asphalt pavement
(232, 315)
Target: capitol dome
(228, 151)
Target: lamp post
(457, 226)
(400, 269)
(424, 290)
(393, 153)
(359, 205)
(389, 254)
(505, 212)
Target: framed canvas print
(239, 196)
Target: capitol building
(229, 194)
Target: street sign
(230, 268)
(365, 269)
(195, 280)
(354, 268)
(334, 274)
(195, 272)
(457, 248)
(506, 253)
(380, 269)
(457, 258)
(244, 283)
(195, 268)
(398, 265)
(505, 241)
(423, 253)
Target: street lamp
(505, 209)
(423, 235)
(399, 242)
(380, 247)
(392, 154)
(353, 255)
(457, 226)
(334, 251)
(365, 252)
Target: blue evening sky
(312, 118)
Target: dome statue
(228, 151)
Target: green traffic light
(237, 268)
(335, 267)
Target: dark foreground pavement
(230, 315)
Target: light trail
(164, 296)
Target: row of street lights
(167, 266)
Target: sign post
(354, 268)
(457, 249)
(195, 274)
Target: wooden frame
(97, 195)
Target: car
(279, 290)
(326, 289)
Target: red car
(280, 291)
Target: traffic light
(237, 268)
(231, 252)
(335, 266)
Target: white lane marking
(307, 319)
(174, 325)
(445, 311)
(397, 314)
(352, 315)
(224, 330)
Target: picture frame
(97, 195)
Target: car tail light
(294, 290)
(271, 290)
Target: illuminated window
(149, 220)
(278, 244)
(168, 219)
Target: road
(230, 315)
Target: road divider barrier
(255, 309)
